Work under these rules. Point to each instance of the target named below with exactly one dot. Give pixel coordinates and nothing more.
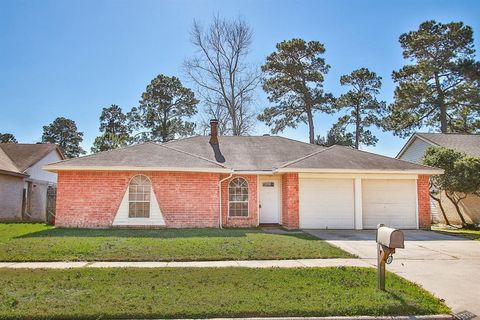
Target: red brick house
(233, 181)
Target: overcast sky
(72, 58)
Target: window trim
(248, 199)
(149, 201)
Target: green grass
(207, 292)
(37, 242)
(465, 233)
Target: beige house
(23, 182)
(414, 150)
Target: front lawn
(207, 292)
(464, 233)
(37, 242)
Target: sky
(72, 58)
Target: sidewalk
(299, 263)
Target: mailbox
(390, 238)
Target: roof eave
(373, 171)
(258, 172)
(12, 173)
(56, 168)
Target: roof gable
(6, 164)
(24, 155)
(467, 143)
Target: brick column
(423, 192)
(290, 210)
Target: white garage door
(326, 203)
(391, 202)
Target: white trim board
(356, 176)
(54, 168)
(359, 171)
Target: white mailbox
(390, 238)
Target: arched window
(139, 197)
(238, 198)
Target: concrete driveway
(447, 266)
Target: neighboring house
(414, 150)
(23, 182)
(241, 181)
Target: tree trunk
(311, 128)
(439, 201)
(233, 115)
(441, 105)
(457, 207)
(357, 127)
(164, 131)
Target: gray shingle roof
(141, 156)
(340, 157)
(468, 143)
(23, 155)
(245, 153)
(6, 164)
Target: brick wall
(423, 186)
(92, 198)
(290, 203)
(252, 219)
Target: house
(23, 182)
(469, 144)
(241, 181)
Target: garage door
(326, 203)
(391, 202)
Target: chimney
(214, 131)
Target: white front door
(269, 201)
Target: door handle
(260, 206)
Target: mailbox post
(388, 240)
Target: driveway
(447, 266)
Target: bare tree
(224, 79)
(215, 112)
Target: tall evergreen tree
(294, 76)
(7, 138)
(364, 110)
(441, 88)
(65, 134)
(336, 136)
(163, 111)
(114, 129)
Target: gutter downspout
(220, 197)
